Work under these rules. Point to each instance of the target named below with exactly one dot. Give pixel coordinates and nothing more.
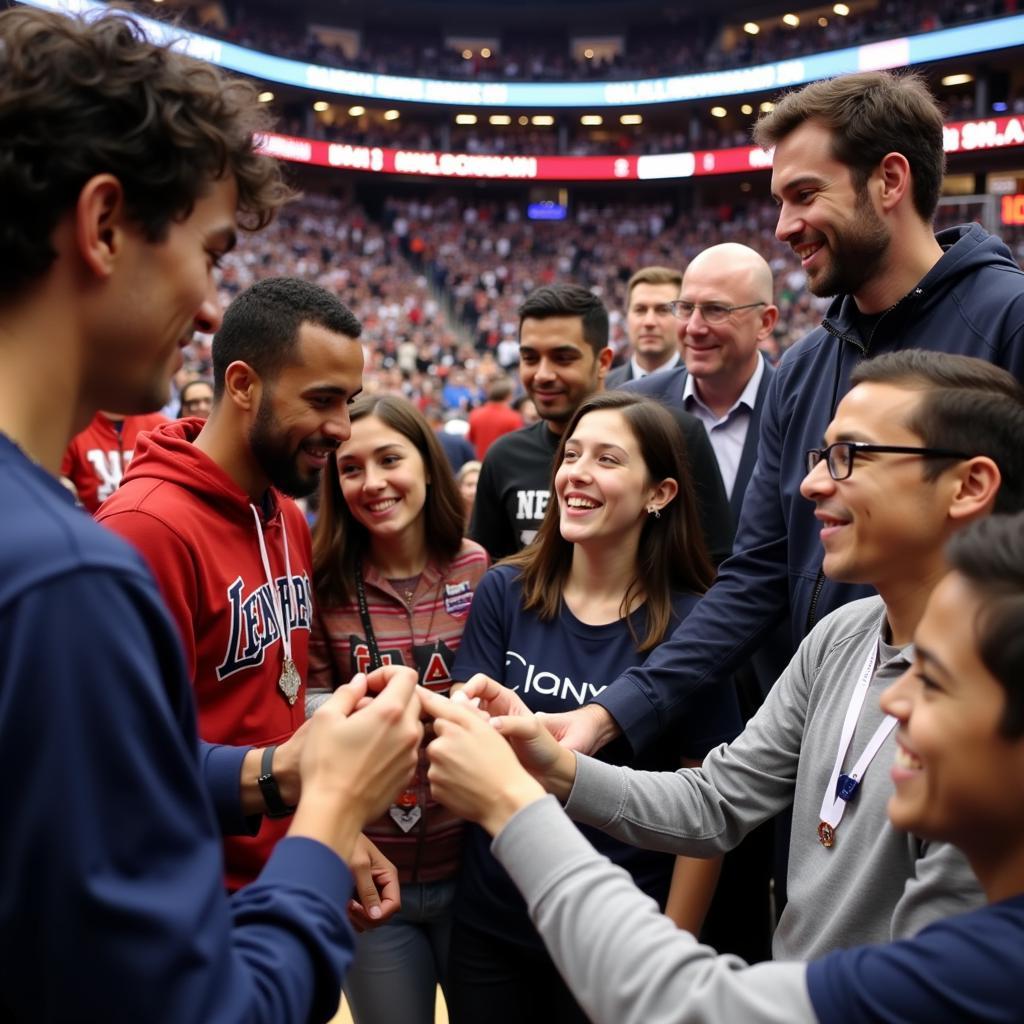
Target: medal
(405, 811)
(290, 680)
(826, 834)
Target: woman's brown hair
(340, 542)
(672, 555)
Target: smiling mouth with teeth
(581, 503)
(905, 759)
(382, 506)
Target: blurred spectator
(494, 418)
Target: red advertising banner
(959, 137)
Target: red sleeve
(170, 561)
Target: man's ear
(604, 362)
(243, 386)
(977, 482)
(894, 180)
(99, 223)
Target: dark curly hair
(81, 97)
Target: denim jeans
(399, 965)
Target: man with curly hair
(125, 169)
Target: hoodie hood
(169, 454)
(967, 249)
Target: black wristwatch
(276, 807)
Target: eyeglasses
(713, 312)
(839, 457)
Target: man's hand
(586, 730)
(551, 764)
(377, 896)
(355, 761)
(473, 771)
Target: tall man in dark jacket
(857, 172)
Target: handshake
(490, 755)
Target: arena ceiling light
(767, 107)
(467, 54)
(356, 111)
(823, 21)
(591, 120)
(485, 52)
(746, 109)
(391, 115)
(543, 120)
(465, 118)
(524, 120)
(631, 119)
(265, 97)
(500, 119)
(751, 28)
(962, 79)
(841, 9)
(718, 111)
(792, 20)
(321, 105)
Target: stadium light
(356, 111)
(767, 107)
(543, 120)
(592, 120)
(752, 28)
(465, 118)
(265, 97)
(500, 119)
(746, 109)
(718, 111)
(391, 115)
(962, 79)
(631, 119)
(321, 105)
(841, 9)
(792, 20)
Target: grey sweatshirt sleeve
(700, 812)
(943, 886)
(625, 962)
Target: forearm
(694, 881)
(625, 961)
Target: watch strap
(276, 807)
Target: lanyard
(290, 679)
(843, 788)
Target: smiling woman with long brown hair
(618, 561)
(394, 579)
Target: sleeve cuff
(222, 771)
(597, 792)
(633, 712)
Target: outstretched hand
(473, 770)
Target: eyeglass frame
(675, 305)
(819, 455)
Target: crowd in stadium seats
(437, 283)
(678, 47)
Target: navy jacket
(113, 906)
(972, 303)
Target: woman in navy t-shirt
(618, 561)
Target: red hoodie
(195, 528)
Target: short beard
(278, 464)
(856, 255)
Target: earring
(652, 511)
